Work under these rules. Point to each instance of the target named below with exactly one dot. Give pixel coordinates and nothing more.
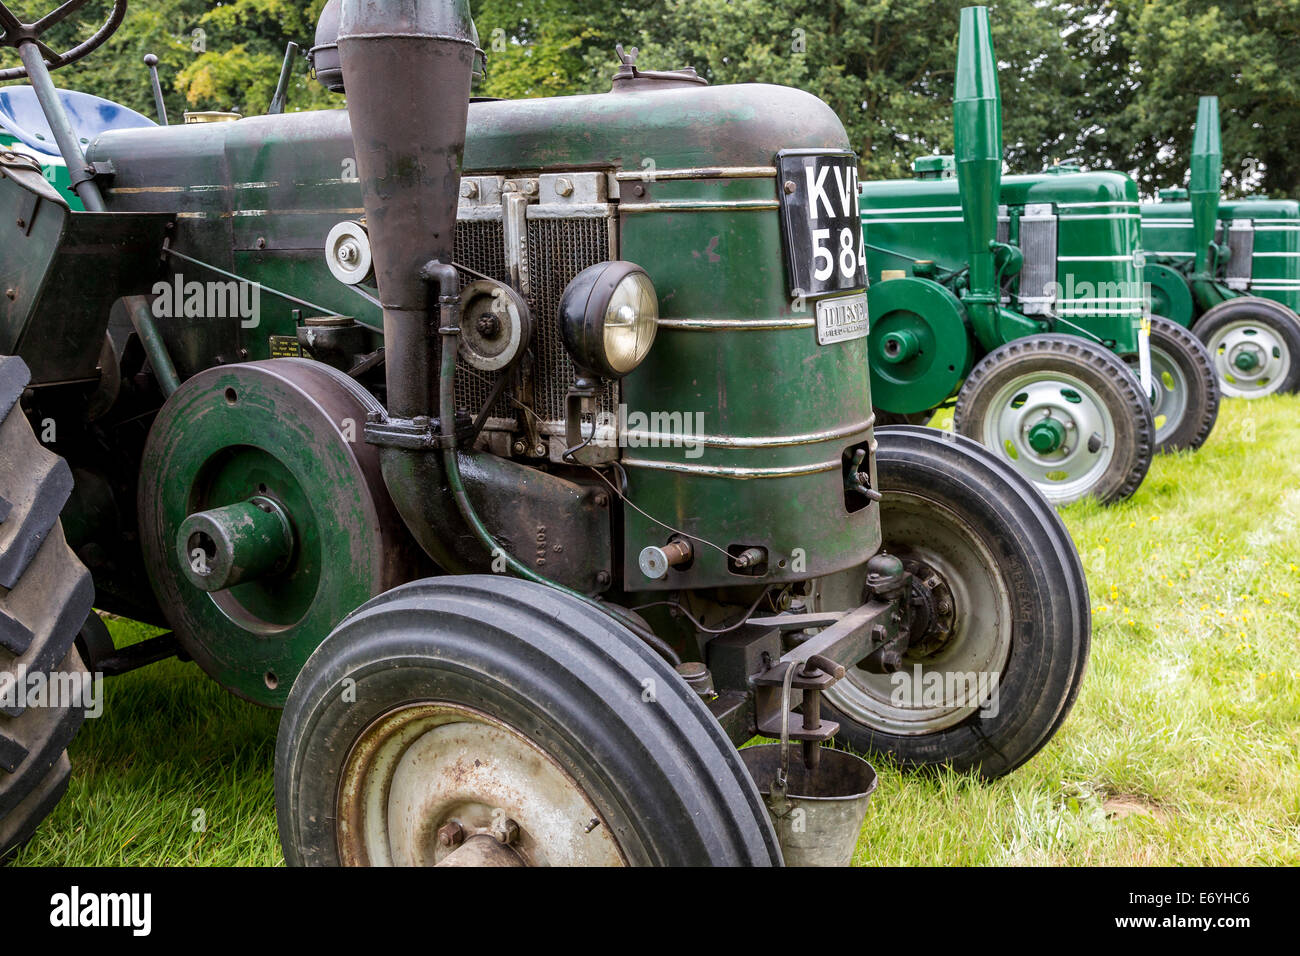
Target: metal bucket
(819, 816)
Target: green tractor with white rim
(1228, 271)
(1016, 301)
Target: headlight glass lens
(631, 321)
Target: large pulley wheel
(919, 348)
(1065, 412)
(1255, 346)
(484, 720)
(264, 518)
(1184, 387)
(1000, 614)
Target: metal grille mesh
(1241, 244)
(558, 249)
(1038, 276)
(481, 247)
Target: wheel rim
(1170, 392)
(1018, 415)
(1250, 358)
(926, 696)
(419, 772)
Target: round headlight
(608, 318)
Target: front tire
(1185, 388)
(1064, 412)
(1254, 344)
(982, 542)
(468, 700)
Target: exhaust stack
(977, 133)
(407, 67)
(1207, 176)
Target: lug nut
(451, 834)
(505, 830)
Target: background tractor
(519, 450)
(1017, 300)
(1229, 271)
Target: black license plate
(824, 249)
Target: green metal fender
(1170, 296)
(919, 345)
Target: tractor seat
(21, 117)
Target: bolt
(602, 578)
(505, 830)
(530, 187)
(638, 190)
(348, 252)
(469, 189)
(488, 325)
(540, 450)
(451, 834)
(261, 242)
(11, 293)
(601, 500)
(564, 187)
(945, 607)
(790, 187)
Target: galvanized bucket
(817, 814)
(818, 818)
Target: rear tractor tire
(45, 597)
(1001, 625)
(1254, 344)
(1064, 412)
(485, 720)
(1184, 387)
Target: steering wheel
(15, 32)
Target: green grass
(1184, 746)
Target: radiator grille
(558, 249)
(1038, 275)
(480, 245)
(1241, 247)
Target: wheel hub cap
(1046, 436)
(1250, 358)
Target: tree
(220, 57)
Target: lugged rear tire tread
(46, 594)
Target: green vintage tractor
(1229, 271)
(1016, 300)
(518, 450)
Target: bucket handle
(778, 802)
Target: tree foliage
(1110, 84)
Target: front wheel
(1000, 621)
(483, 719)
(1255, 346)
(1184, 387)
(1064, 412)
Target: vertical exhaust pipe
(977, 133)
(407, 67)
(1207, 176)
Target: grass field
(1184, 746)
